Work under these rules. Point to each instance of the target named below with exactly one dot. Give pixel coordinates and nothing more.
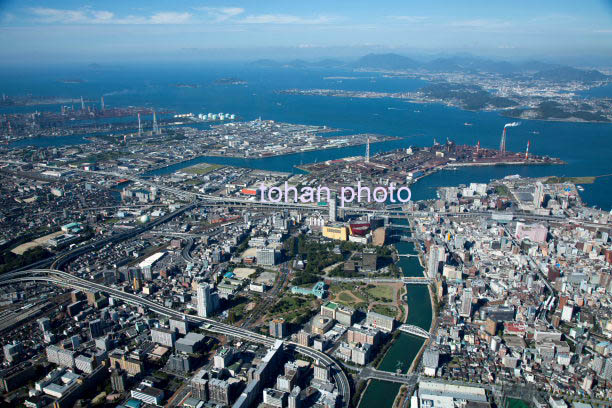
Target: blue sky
(72, 30)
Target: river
(405, 348)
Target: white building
(206, 300)
(266, 256)
(441, 395)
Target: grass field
(194, 182)
(385, 310)
(202, 168)
(383, 292)
(574, 180)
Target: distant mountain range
(460, 64)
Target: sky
(65, 30)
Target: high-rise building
(294, 400)
(164, 337)
(322, 371)
(223, 357)
(95, 328)
(466, 303)
(437, 254)
(118, 380)
(199, 385)
(180, 363)
(278, 328)
(84, 363)
(266, 256)
(219, 391)
(76, 341)
(606, 372)
(568, 313)
(380, 321)
(538, 195)
(12, 351)
(206, 301)
(44, 323)
(66, 358)
(333, 215)
(303, 338)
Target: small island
(230, 81)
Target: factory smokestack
(527, 151)
(502, 143)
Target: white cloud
(221, 13)
(170, 17)
(481, 24)
(51, 15)
(285, 19)
(90, 16)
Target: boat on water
(535, 132)
(580, 188)
(467, 124)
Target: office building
(466, 303)
(339, 233)
(148, 394)
(442, 395)
(95, 328)
(266, 256)
(12, 351)
(567, 313)
(179, 363)
(380, 321)
(278, 328)
(191, 343)
(322, 371)
(294, 400)
(66, 358)
(164, 337)
(85, 363)
(369, 260)
(219, 391)
(333, 216)
(274, 398)
(44, 324)
(303, 338)
(343, 314)
(118, 380)
(431, 360)
(437, 254)
(131, 365)
(363, 335)
(179, 326)
(199, 385)
(206, 300)
(223, 358)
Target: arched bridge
(415, 331)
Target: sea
(585, 147)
